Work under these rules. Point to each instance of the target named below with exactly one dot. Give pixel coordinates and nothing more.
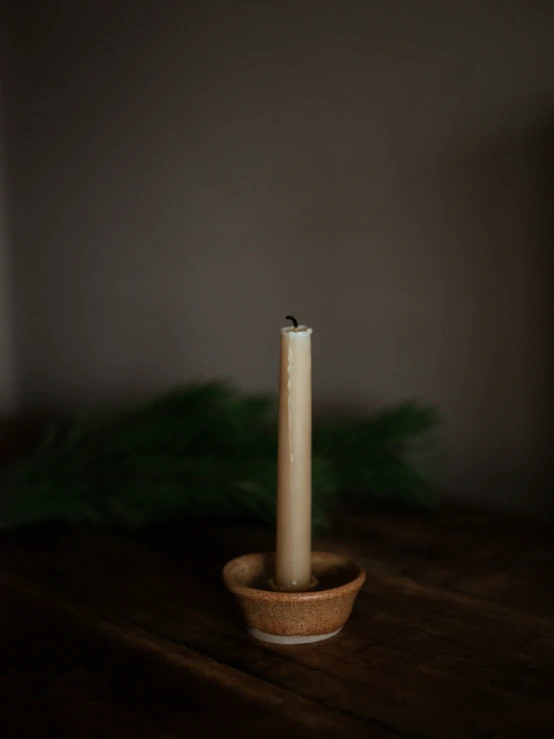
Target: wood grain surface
(111, 633)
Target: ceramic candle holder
(283, 617)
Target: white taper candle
(294, 481)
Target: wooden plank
(66, 673)
(414, 658)
(490, 556)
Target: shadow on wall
(547, 156)
(498, 310)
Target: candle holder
(291, 617)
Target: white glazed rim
(301, 639)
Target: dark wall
(182, 175)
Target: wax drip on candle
(293, 319)
(289, 400)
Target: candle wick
(293, 319)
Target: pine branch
(208, 449)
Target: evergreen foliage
(207, 449)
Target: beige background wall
(183, 174)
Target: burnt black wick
(293, 319)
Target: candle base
(312, 585)
(292, 617)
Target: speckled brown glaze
(320, 612)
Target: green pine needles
(207, 449)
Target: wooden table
(129, 634)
